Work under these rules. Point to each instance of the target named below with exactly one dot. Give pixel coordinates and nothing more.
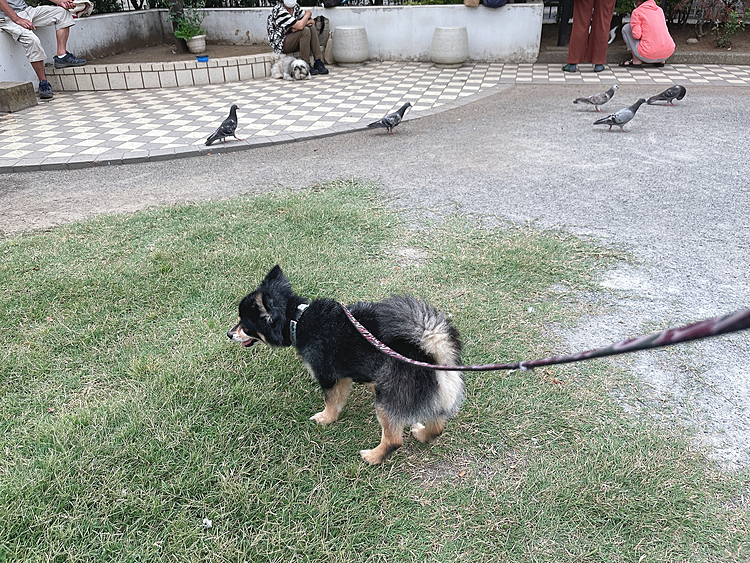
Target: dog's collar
(293, 323)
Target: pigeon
(675, 92)
(620, 118)
(597, 99)
(392, 119)
(226, 129)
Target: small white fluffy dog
(289, 68)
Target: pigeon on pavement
(675, 92)
(621, 117)
(226, 129)
(597, 100)
(392, 119)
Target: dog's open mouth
(250, 342)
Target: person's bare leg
(38, 67)
(62, 40)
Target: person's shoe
(570, 68)
(320, 67)
(313, 71)
(67, 60)
(45, 90)
(598, 68)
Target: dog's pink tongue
(249, 342)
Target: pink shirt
(648, 24)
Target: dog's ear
(275, 274)
(265, 306)
(272, 313)
(277, 280)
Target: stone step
(159, 75)
(15, 96)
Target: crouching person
(21, 20)
(647, 36)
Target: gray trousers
(632, 44)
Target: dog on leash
(337, 356)
(289, 68)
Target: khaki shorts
(40, 16)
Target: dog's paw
(371, 457)
(419, 432)
(322, 418)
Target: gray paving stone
(161, 154)
(80, 161)
(26, 165)
(7, 167)
(55, 163)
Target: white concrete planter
(450, 47)
(196, 44)
(350, 45)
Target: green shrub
(190, 22)
(725, 31)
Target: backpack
(323, 28)
(494, 3)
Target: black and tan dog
(337, 356)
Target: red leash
(704, 329)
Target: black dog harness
(293, 323)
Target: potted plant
(189, 28)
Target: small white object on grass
(207, 523)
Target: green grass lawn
(127, 416)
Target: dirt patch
(706, 44)
(680, 34)
(168, 53)
(512, 463)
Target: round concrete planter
(196, 44)
(450, 47)
(350, 45)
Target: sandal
(629, 63)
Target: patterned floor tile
(161, 121)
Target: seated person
(647, 36)
(290, 30)
(20, 20)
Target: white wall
(508, 34)
(100, 35)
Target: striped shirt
(279, 22)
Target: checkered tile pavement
(114, 127)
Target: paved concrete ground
(673, 191)
(112, 127)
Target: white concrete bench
(14, 66)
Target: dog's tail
(430, 330)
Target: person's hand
(67, 4)
(25, 23)
(310, 23)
